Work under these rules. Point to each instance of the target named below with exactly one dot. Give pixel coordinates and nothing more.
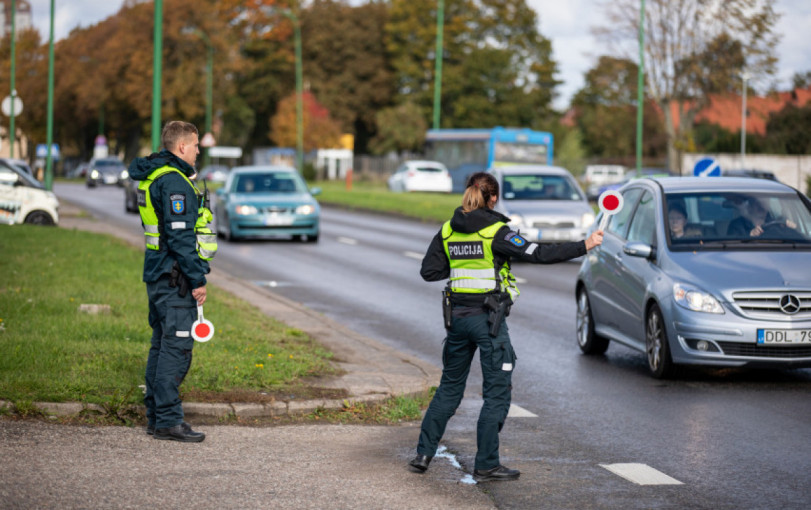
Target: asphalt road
(720, 438)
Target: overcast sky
(567, 23)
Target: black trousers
(170, 354)
(497, 361)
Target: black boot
(498, 473)
(420, 462)
(181, 432)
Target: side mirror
(637, 249)
(315, 191)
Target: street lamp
(50, 114)
(209, 81)
(157, 61)
(440, 23)
(640, 87)
(299, 93)
(12, 133)
(744, 77)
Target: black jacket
(507, 245)
(176, 244)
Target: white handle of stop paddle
(603, 222)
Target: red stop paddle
(202, 330)
(610, 203)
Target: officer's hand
(199, 294)
(594, 240)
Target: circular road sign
(6, 106)
(707, 167)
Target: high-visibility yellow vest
(206, 239)
(473, 266)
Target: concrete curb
(372, 372)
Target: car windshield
(539, 187)
(725, 220)
(270, 182)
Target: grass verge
(54, 353)
(374, 196)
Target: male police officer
(178, 248)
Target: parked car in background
(744, 172)
(597, 176)
(79, 171)
(106, 171)
(724, 294)
(421, 176)
(266, 201)
(24, 199)
(544, 202)
(213, 173)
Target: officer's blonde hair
(174, 132)
(480, 187)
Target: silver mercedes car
(702, 271)
(544, 203)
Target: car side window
(618, 224)
(643, 224)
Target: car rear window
(430, 169)
(538, 187)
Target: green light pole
(157, 59)
(209, 81)
(12, 133)
(440, 24)
(299, 92)
(50, 114)
(640, 87)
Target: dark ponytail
(480, 187)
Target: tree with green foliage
(497, 68)
(399, 128)
(693, 48)
(787, 130)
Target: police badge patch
(178, 203)
(516, 239)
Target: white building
(23, 18)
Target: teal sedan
(267, 201)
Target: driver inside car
(754, 219)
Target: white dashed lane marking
(519, 412)
(641, 474)
(413, 255)
(348, 240)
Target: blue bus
(465, 151)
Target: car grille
(760, 351)
(549, 224)
(772, 304)
(277, 209)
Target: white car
(23, 199)
(597, 176)
(421, 176)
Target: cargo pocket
(178, 326)
(503, 355)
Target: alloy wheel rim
(654, 341)
(582, 319)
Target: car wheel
(587, 339)
(312, 239)
(656, 347)
(39, 218)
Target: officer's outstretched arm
(509, 243)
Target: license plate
(275, 221)
(783, 336)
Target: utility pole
(640, 87)
(157, 61)
(440, 25)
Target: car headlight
(305, 209)
(587, 220)
(517, 220)
(124, 174)
(695, 299)
(246, 210)
(94, 174)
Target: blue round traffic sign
(707, 167)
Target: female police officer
(473, 250)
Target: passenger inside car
(677, 219)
